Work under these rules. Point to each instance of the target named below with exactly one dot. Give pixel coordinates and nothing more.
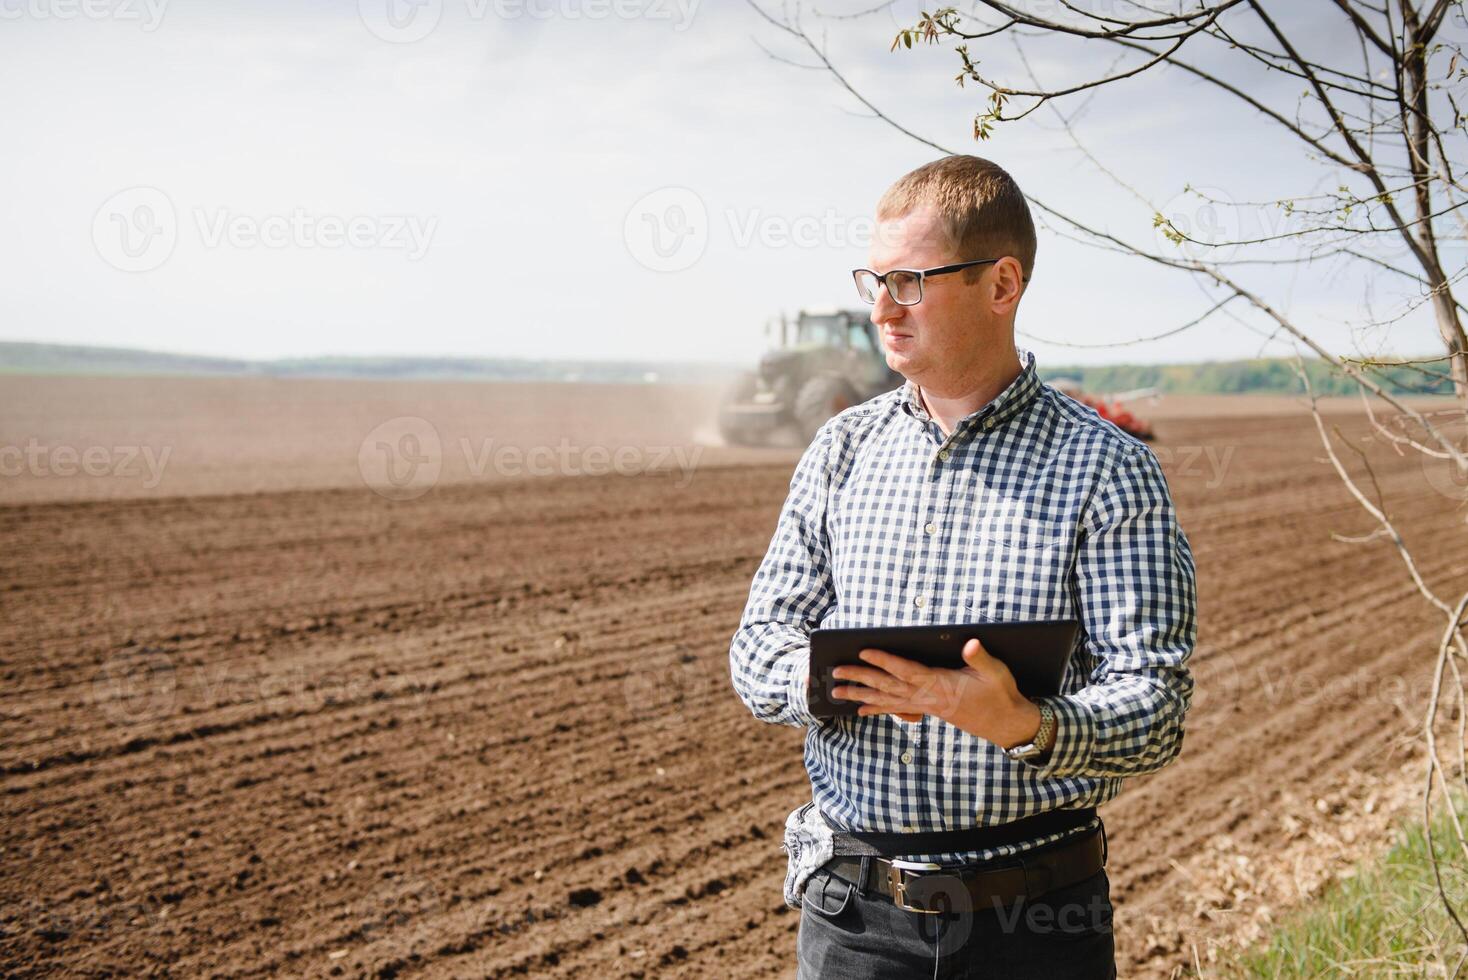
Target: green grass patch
(1386, 921)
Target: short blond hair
(983, 212)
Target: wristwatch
(1043, 738)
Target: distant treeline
(1260, 375)
(1208, 378)
(33, 358)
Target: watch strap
(1044, 737)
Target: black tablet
(1036, 653)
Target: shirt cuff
(1075, 738)
(797, 695)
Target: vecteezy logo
(135, 230)
(1206, 225)
(401, 458)
(1443, 472)
(400, 21)
(667, 230)
(132, 689)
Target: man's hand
(980, 698)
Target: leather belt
(933, 889)
(862, 843)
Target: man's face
(941, 337)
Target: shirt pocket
(1007, 534)
(1015, 535)
(1019, 567)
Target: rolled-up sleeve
(769, 657)
(1137, 600)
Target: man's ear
(1008, 283)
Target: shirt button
(930, 527)
(906, 758)
(919, 600)
(942, 454)
(907, 828)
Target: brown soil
(155, 437)
(489, 731)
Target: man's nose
(886, 308)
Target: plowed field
(489, 731)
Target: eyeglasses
(905, 286)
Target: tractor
(829, 361)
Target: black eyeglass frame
(941, 270)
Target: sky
(623, 179)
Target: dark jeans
(1064, 934)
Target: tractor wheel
(734, 435)
(820, 398)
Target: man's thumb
(973, 650)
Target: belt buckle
(896, 871)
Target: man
(973, 493)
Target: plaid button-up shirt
(1033, 508)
